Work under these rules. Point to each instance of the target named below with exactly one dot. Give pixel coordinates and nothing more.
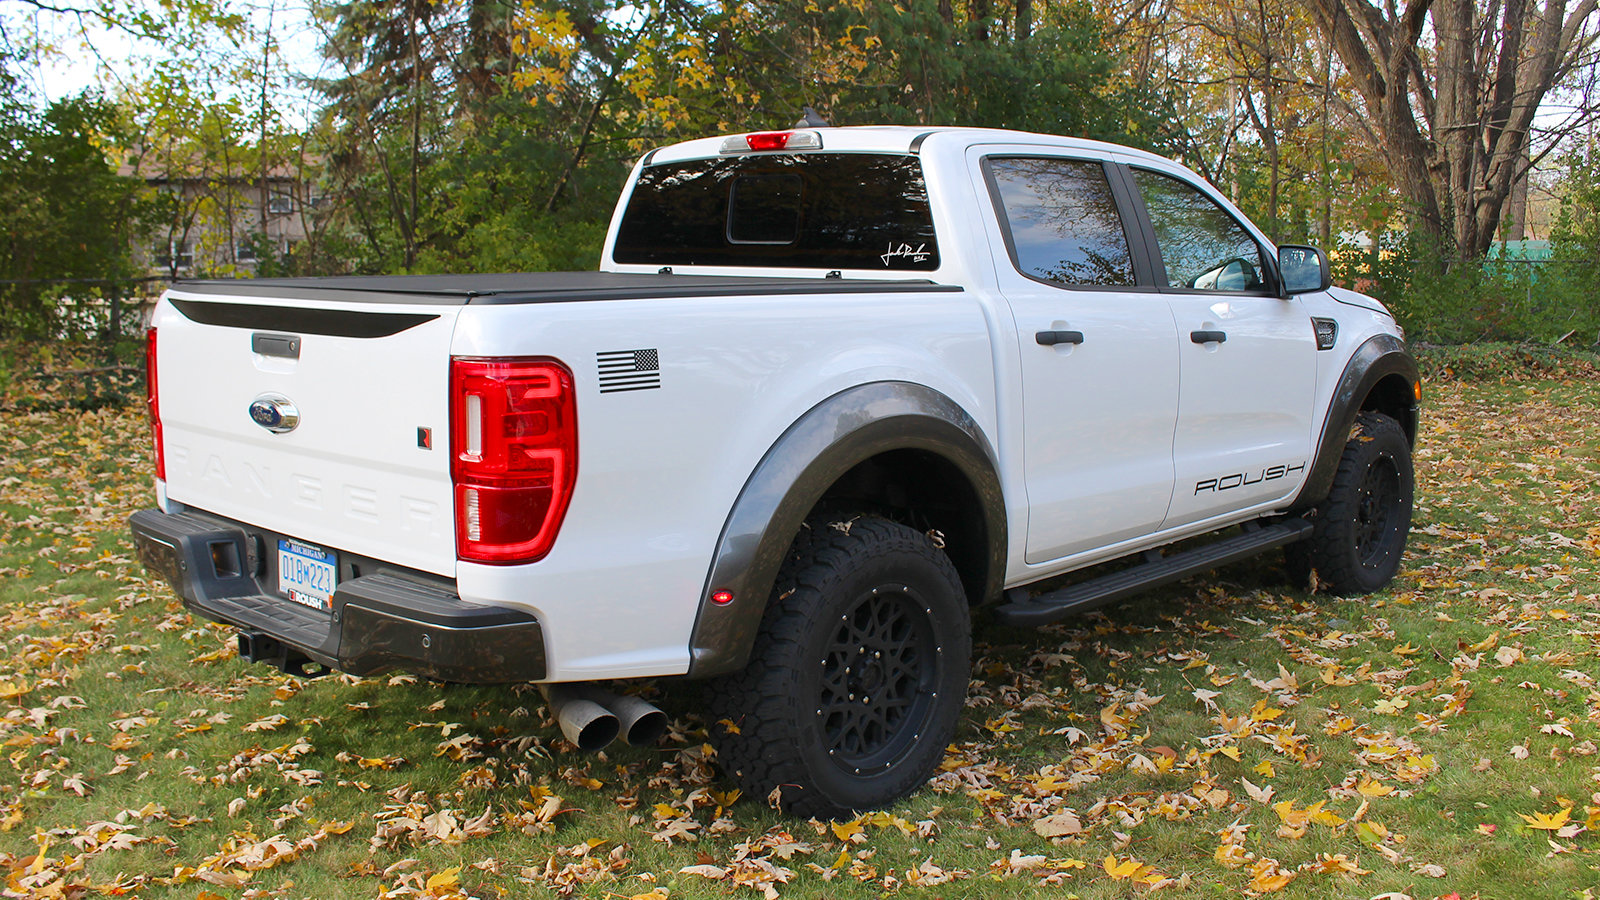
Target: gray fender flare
(829, 440)
(1378, 358)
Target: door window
(1061, 221)
(1203, 247)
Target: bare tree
(1453, 91)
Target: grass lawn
(1222, 737)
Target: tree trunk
(1478, 84)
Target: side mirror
(1304, 269)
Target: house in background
(223, 225)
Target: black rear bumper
(381, 617)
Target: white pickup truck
(833, 389)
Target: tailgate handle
(284, 345)
(1052, 338)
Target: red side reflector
(722, 598)
(768, 140)
(513, 456)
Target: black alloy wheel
(858, 675)
(1361, 528)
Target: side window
(1203, 247)
(1062, 221)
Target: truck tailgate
(367, 467)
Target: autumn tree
(1452, 92)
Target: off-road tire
(1360, 529)
(875, 613)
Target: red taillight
(153, 400)
(513, 455)
(768, 140)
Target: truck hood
(1352, 298)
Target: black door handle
(1052, 338)
(1207, 337)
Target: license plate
(307, 574)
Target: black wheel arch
(892, 448)
(1381, 376)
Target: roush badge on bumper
(275, 412)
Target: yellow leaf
(445, 880)
(1372, 788)
(1266, 877)
(1265, 768)
(1286, 811)
(848, 831)
(1553, 822)
(1121, 871)
(1325, 816)
(1230, 752)
(1264, 712)
(1371, 833)
(1390, 707)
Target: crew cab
(833, 389)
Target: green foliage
(1483, 300)
(68, 213)
(1575, 240)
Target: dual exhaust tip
(592, 717)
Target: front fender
(832, 437)
(1381, 357)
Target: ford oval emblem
(275, 412)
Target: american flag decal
(628, 370)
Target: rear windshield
(823, 211)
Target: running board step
(1156, 570)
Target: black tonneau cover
(538, 287)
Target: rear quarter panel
(659, 469)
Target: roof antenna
(812, 119)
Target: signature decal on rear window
(915, 254)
